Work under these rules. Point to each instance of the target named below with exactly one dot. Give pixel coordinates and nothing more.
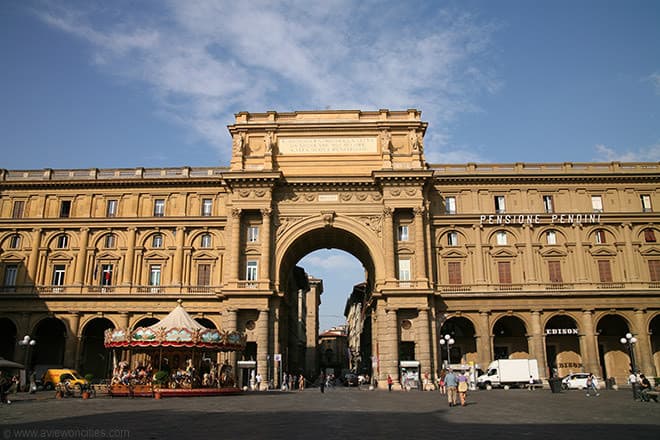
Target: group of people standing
(455, 385)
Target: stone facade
(554, 261)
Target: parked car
(578, 381)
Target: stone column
(72, 340)
(484, 340)
(262, 345)
(81, 258)
(629, 261)
(434, 340)
(391, 342)
(424, 343)
(536, 345)
(127, 278)
(388, 244)
(275, 319)
(266, 239)
(235, 250)
(420, 266)
(479, 257)
(177, 263)
(230, 324)
(589, 343)
(529, 261)
(34, 256)
(579, 253)
(643, 347)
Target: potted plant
(160, 380)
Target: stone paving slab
(338, 414)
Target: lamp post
(629, 341)
(26, 343)
(448, 341)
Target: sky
(154, 83)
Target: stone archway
(95, 358)
(464, 349)
(302, 239)
(613, 356)
(654, 332)
(562, 346)
(509, 338)
(8, 336)
(50, 334)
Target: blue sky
(155, 83)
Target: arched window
(157, 241)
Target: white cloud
(329, 261)
(645, 154)
(654, 79)
(205, 60)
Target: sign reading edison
(327, 145)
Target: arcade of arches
(550, 261)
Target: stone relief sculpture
(238, 143)
(269, 142)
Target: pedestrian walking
(462, 387)
(322, 382)
(451, 382)
(301, 383)
(592, 385)
(390, 382)
(531, 383)
(441, 382)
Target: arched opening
(562, 346)
(464, 349)
(654, 331)
(7, 339)
(206, 322)
(145, 322)
(95, 358)
(612, 354)
(509, 338)
(303, 276)
(50, 335)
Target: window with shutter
(605, 271)
(504, 272)
(654, 270)
(554, 270)
(454, 269)
(204, 275)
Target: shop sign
(561, 331)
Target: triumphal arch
(552, 261)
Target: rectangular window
(552, 237)
(600, 237)
(454, 272)
(253, 234)
(501, 238)
(504, 272)
(154, 275)
(11, 271)
(251, 272)
(402, 233)
(157, 241)
(15, 241)
(204, 275)
(65, 208)
(554, 271)
(646, 203)
(106, 274)
(654, 270)
(207, 207)
(17, 211)
(450, 205)
(159, 207)
(500, 208)
(206, 240)
(110, 241)
(62, 241)
(605, 271)
(597, 203)
(548, 205)
(404, 270)
(59, 271)
(649, 236)
(111, 208)
(452, 238)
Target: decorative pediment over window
(12, 256)
(453, 253)
(252, 251)
(406, 250)
(503, 252)
(650, 251)
(553, 252)
(603, 251)
(156, 255)
(60, 256)
(108, 256)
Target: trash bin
(609, 383)
(555, 384)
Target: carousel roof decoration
(178, 329)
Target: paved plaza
(338, 414)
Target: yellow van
(53, 377)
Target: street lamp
(629, 341)
(448, 341)
(26, 343)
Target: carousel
(177, 356)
